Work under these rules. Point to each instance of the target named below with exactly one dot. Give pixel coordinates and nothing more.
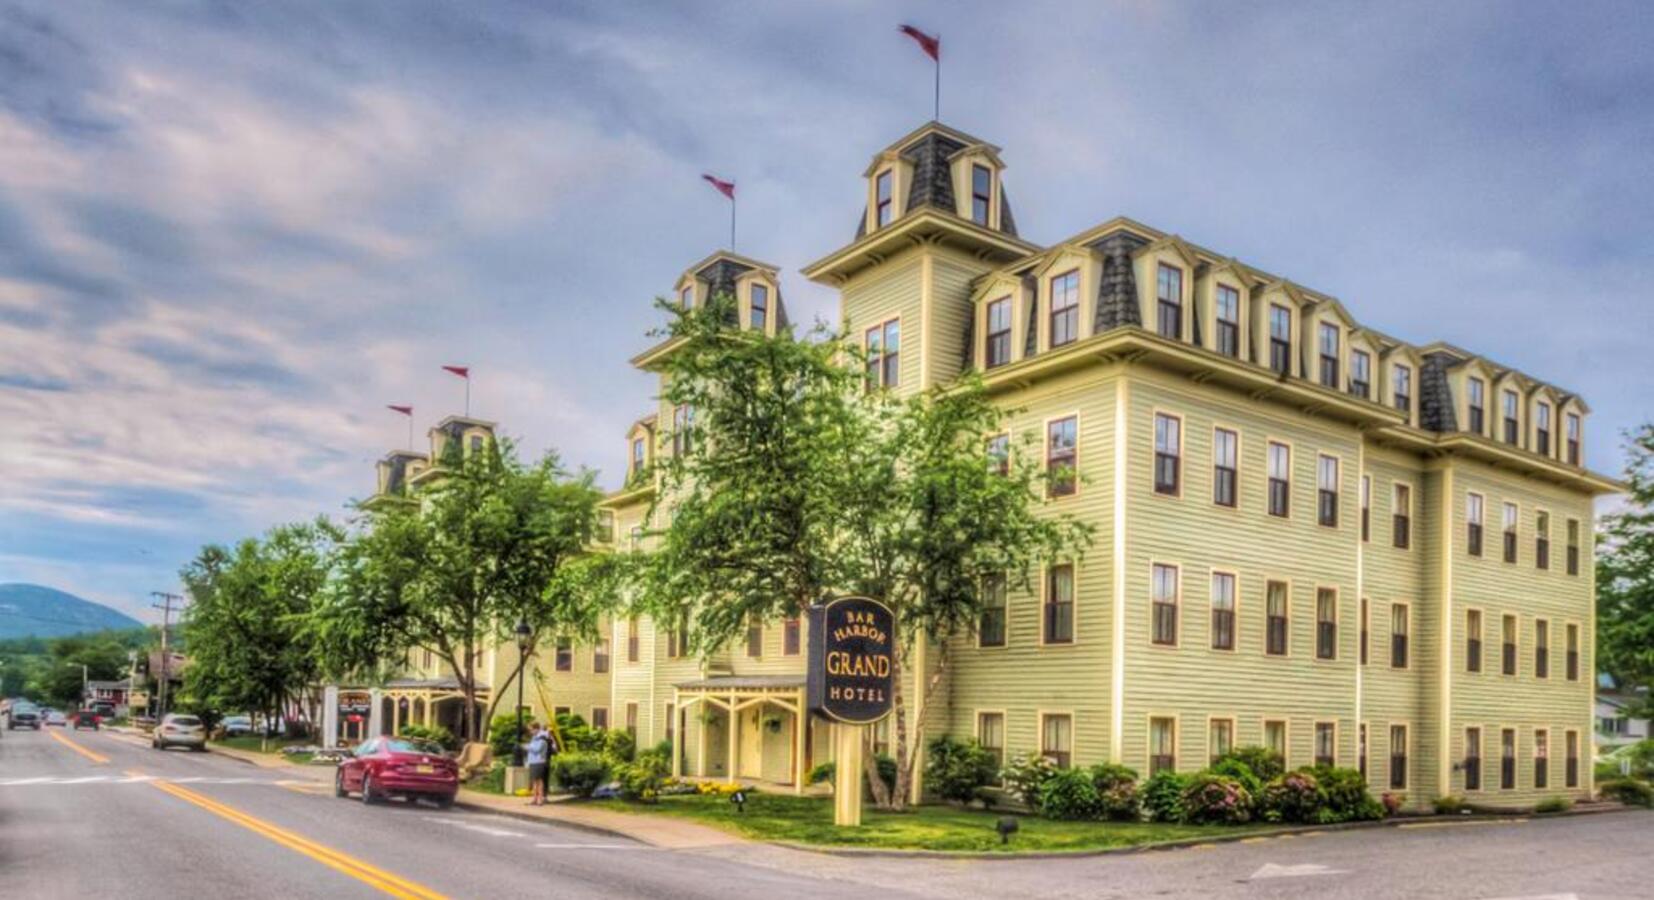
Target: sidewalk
(665, 832)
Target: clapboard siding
(888, 292)
(949, 313)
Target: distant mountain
(31, 610)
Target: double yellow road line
(92, 755)
(394, 885)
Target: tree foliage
(1625, 575)
(796, 482)
(246, 620)
(492, 542)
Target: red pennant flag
(462, 371)
(931, 45)
(404, 410)
(727, 188)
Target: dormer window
(999, 333)
(1477, 401)
(1280, 339)
(1228, 316)
(686, 296)
(1361, 373)
(1329, 355)
(1169, 305)
(476, 443)
(883, 348)
(1542, 430)
(982, 181)
(1065, 308)
(683, 422)
(639, 451)
(1573, 438)
(760, 306)
(1513, 434)
(1404, 389)
(883, 204)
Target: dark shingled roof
(1007, 222)
(1117, 290)
(720, 277)
(1436, 411)
(1030, 344)
(932, 175)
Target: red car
(384, 767)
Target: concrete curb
(1203, 840)
(523, 815)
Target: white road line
(1271, 870)
(13, 781)
(593, 847)
(87, 780)
(470, 826)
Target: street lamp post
(84, 686)
(524, 641)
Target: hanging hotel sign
(852, 660)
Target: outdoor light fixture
(525, 640)
(739, 798)
(1006, 826)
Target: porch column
(677, 737)
(376, 715)
(920, 677)
(396, 715)
(734, 729)
(700, 737)
(429, 712)
(800, 736)
(330, 716)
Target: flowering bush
(1393, 803)
(1346, 795)
(1236, 768)
(1069, 794)
(1216, 800)
(1162, 796)
(1264, 763)
(1293, 797)
(1117, 794)
(1024, 776)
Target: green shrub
(1346, 795)
(1117, 792)
(502, 735)
(642, 778)
(1629, 791)
(1294, 797)
(1265, 763)
(822, 772)
(1216, 800)
(959, 769)
(1070, 794)
(1607, 770)
(1554, 805)
(1231, 766)
(436, 734)
(1450, 805)
(1024, 775)
(620, 746)
(1641, 755)
(887, 770)
(491, 781)
(579, 773)
(1163, 796)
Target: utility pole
(165, 606)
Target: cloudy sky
(231, 232)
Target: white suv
(180, 731)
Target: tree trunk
(898, 800)
(875, 781)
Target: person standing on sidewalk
(537, 753)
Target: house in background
(1615, 727)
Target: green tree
(1625, 575)
(797, 482)
(245, 625)
(492, 542)
(57, 678)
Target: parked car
(178, 730)
(235, 726)
(24, 715)
(87, 719)
(384, 767)
(53, 717)
(104, 708)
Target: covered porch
(427, 702)
(742, 728)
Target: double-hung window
(1513, 433)
(1169, 302)
(990, 631)
(1162, 745)
(1326, 744)
(1404, 389)
(1059, 605)
(755, 637)
(564, 658)
(1326, 509)
(1326, 623)
(1507, 759)
(1572, 424)
(1061, 457)
(998, 449)
(792, 634)
(1573, 546)
(1541, 759)
(683, 430)
(884, 204)
(1473, 759)
(990, 734)
(1168, 453)
(1223, 611)
(758, 316)
(632, 643)
(1401, 517)
(600, 656)
(1398, 757)
(1512, 515)
(1473, 640)
(1542, 429)
(999, 333)
(1057, 740)
(1280, 339)
(1220, 739)
(1478, 406)
(883, 347)
(1473, 524)
(1065, 308)
(1165, 604)
(1542, 540)
(639, 455)
(1573, 653)
(1275, 618)
(1571, 774)
(982, 183)
(1225, 466)
(1228, 320)
(1366, 624)
(1280, 479)
(1361, 374)
(1541, 649)
(1366, 508)
(1329, 355)
(1399, 627)
(1507, 662)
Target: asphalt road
(122, 820)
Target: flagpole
(936, 112)
(468, 395)
(410, 434)
(732, 224)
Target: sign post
(850, 682)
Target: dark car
(86, 718)
(24, 717)
(384, 767)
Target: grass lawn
(251, 744)
(809, 820)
